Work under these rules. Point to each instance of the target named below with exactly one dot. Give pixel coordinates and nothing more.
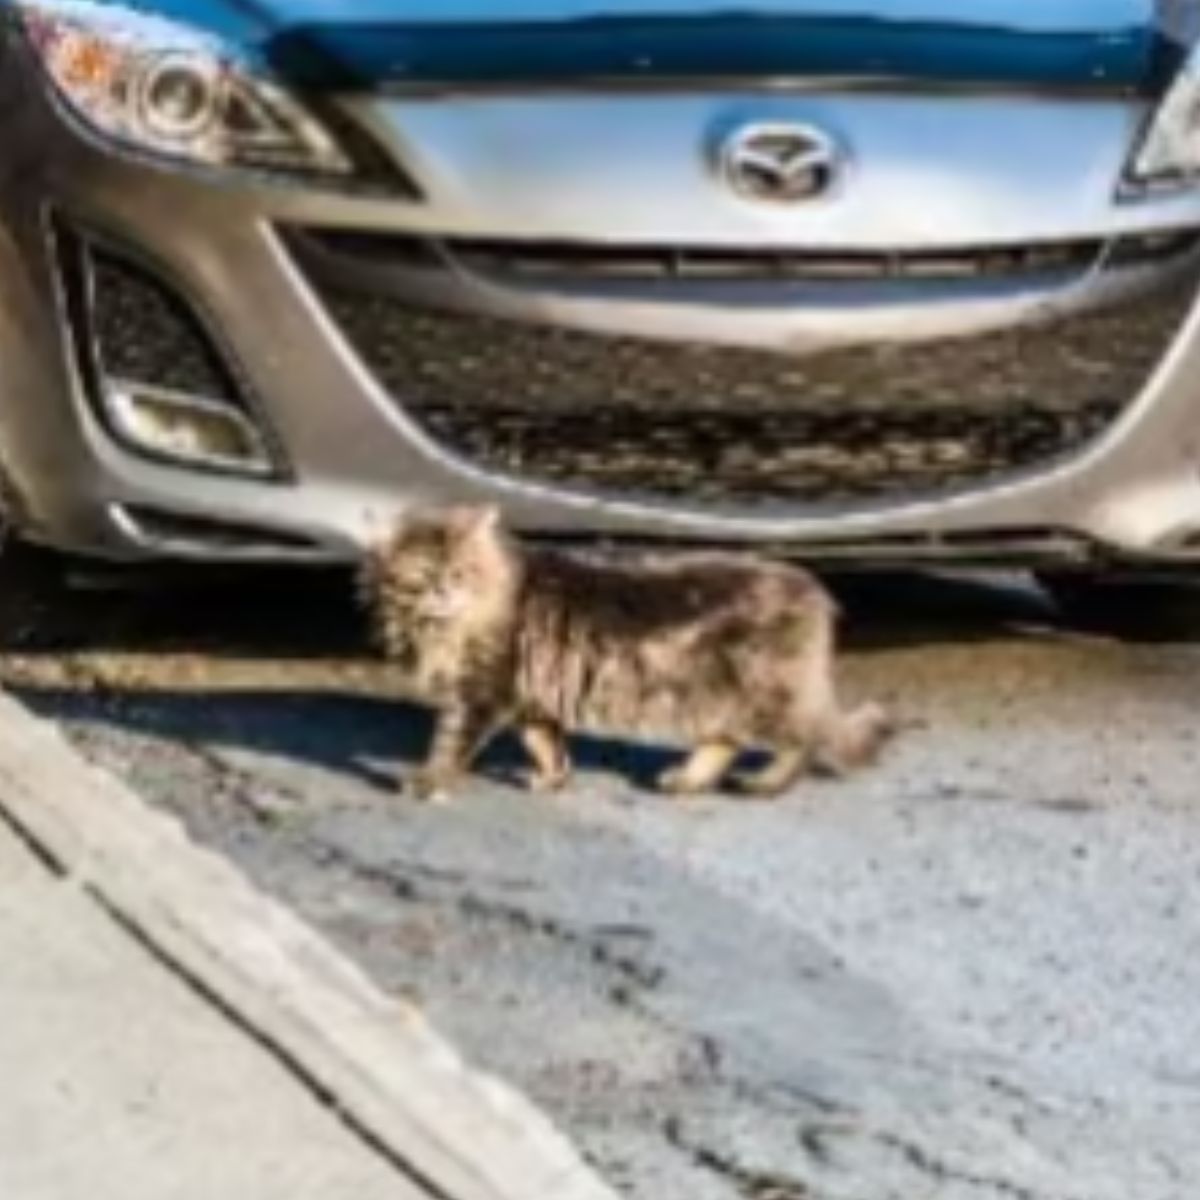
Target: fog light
(186, 428)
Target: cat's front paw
(545, 783)
(430, 787)
(678, 781)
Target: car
(851, 280)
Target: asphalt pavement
(969, 974)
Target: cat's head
(441, 567)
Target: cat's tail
(854, 739)
(842, 739)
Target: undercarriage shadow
(53, 605)
(51, 613)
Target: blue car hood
(1120, 45)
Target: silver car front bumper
(942, 187)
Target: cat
(722, 652)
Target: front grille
(718, 425)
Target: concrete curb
(459, 1135)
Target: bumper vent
(168, 532)
(144, 331)
(129, 324)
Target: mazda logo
(780, 164)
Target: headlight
(164, 87)
(1169, 153)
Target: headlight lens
(1169, 153)
(164, 87)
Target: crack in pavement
(438, 886)
(749, 1183)
(924, 1161)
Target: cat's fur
(721, 652)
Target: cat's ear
(379, 527)
(478, 522)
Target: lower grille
(719, 425)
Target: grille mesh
(719, 425)
(130, 325)
(144, 332)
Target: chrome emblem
(781, 164)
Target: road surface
(970, 974)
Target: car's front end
(905, 285)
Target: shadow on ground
(367, 740)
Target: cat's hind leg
(703, 770)
(545, 744)
(838, 745)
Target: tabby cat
(720, 652)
